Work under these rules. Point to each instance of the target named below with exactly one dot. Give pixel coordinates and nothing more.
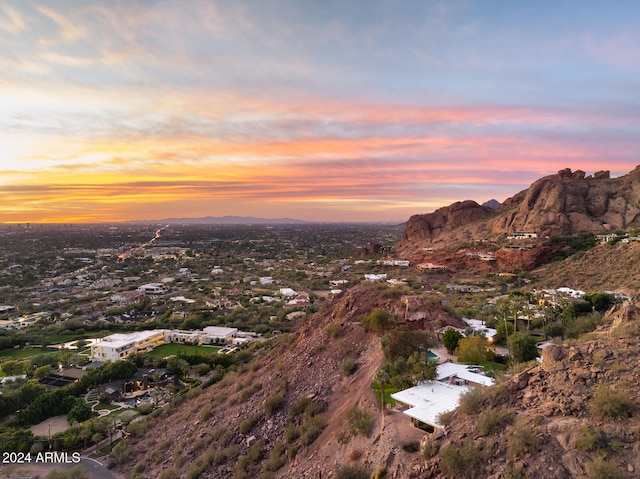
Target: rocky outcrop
(565, 204)
(419, 313)
(430, 227)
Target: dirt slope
(209, 434)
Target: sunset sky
(319, 110)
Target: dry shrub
(491, 421)
(611, 404)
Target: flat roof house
(217, 334)
(430, 399)
(153, 288)
(120, 346)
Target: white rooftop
(462, 371)
(430, 399)
(219, 331)
(478, 325)
(119, 339)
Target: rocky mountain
(564, 204)
(493, 204)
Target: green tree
(42, 371)
(421, 368)
(450, 339)
(600, 301)
(80, 411)
(383, 377)
(31, 390)
(522, 346)
(378, 320)
(14, 368)
(178, 365)
(474, 350)
(504, 306)
(400, 343)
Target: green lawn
(110, 407)
(22, 353)
(171, 349)
(61, 338)
(491, 366)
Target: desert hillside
(284, 413)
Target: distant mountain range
(228, 220)
(251, 220)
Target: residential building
(375, 277)
(430, 399)
(217, 334)
(394, 262)
(522, 235)
(120, 346)
(153, 288)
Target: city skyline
(330, 111)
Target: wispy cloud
(117, 108)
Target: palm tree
(382, 377)
(504, 306)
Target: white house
(375, 277)
(480, 329)
(430, 399)
(574, 293)
(394, 262)
(217, 334)
(153, 288)
(178, 336)
(120, 346)
(518, 235)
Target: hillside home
(394, 262)
(375, 277)
(301, 300)
(153, 288)
(518, 235)
(428, 400)
(479, 328)
(179, 336)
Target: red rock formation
(565, 204)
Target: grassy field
(64, 338)
(22, 353)
(172, 349)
